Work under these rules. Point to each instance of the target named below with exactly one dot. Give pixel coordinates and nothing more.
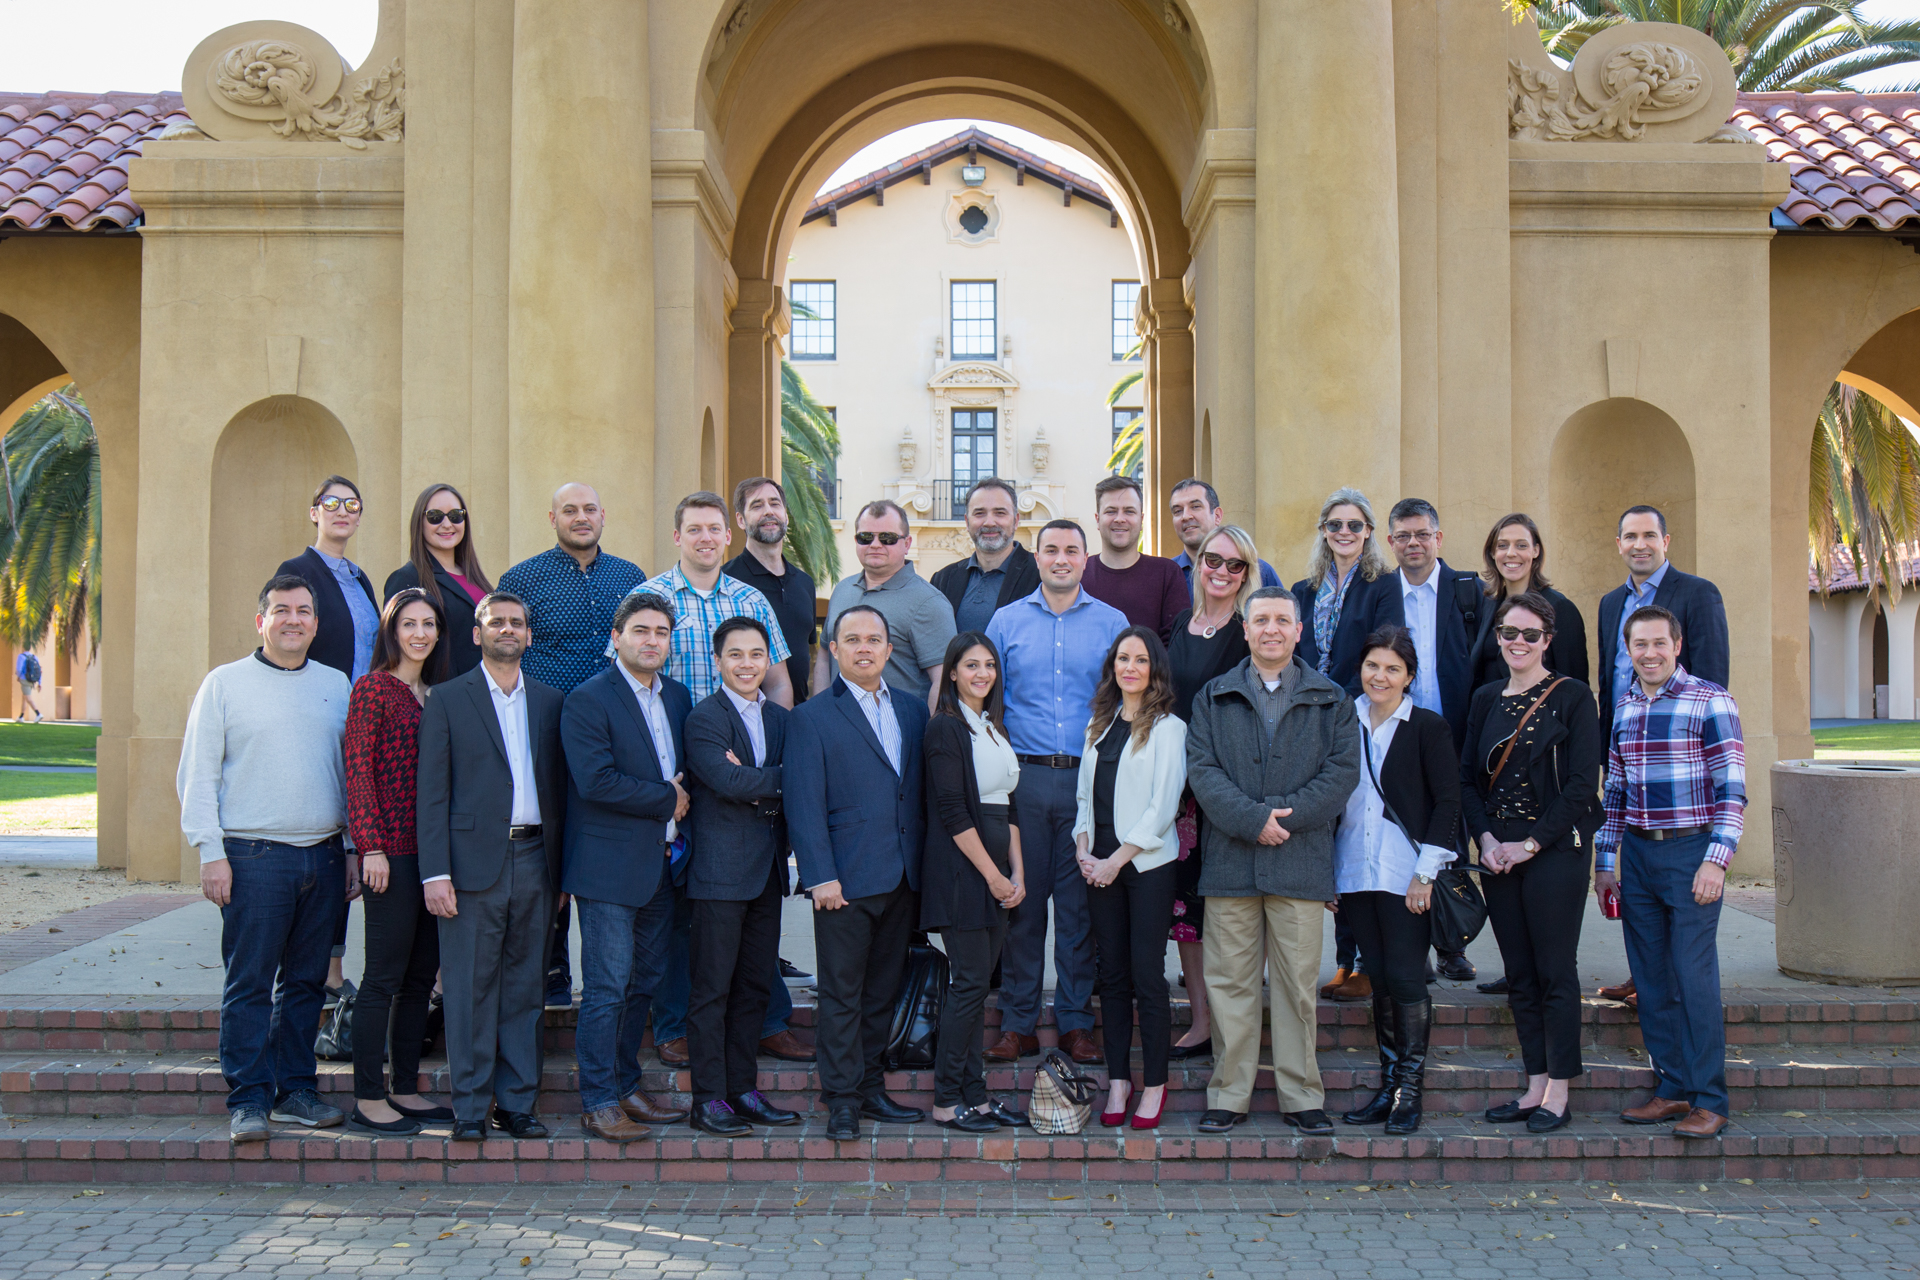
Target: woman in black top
(1528, 773)
(1515, 560)
(971, 875)
(444, 564)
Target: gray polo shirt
(918, 617)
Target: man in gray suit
(492, 806)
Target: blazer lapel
(625, 696)
(851, 709)
(483, 706)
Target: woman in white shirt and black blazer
(1396, 833)
(1133, 772)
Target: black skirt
(956, 896)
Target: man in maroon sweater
(1150, 590)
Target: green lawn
(47, 803)
(46, 743)
(1883, 739)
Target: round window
(973, 219)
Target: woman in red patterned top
(403, 940)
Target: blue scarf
(1327, 603)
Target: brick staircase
(130, 1091)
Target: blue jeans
(276, 936)
(676, 988)
(1673, 952)
(1047, 806)
(623, 952)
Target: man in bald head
(571, 591)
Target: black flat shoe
(1198, 1049)
(881, 1107)
(1221, 1120)
(1498, 987)
(1310, 1122)
(1509, 1113)
(1005, 1114)
(431, 1114)
(843, 1122)
(1544, 1121)
(401, 1128)
(1455, 967)
(971, 1120)
(521, 1124)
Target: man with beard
(1196, 514)
(999, 571)
(760, 508)
(1150, 590)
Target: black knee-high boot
(1386, 1033)
(1413, 1028)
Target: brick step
(1834, 1146)
(1459, 1080)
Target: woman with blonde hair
(1349, 593)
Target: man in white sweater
(263, 798)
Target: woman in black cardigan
(443, 564)
(1515, 560)
(971, 874)
(1528, 775)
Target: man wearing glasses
(919, 617)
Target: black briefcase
(916, 1009)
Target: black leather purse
(916, 1010)
(1459, 910)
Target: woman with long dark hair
(971, 875)
(1515, 560)
(442, 563)
(403, 939)
(1133, 771)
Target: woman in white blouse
(1395, 835)
(971, 874)
(1132, 774)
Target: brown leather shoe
(787, 1046)
(1012, 1047)
(1081, 1047)
(647, 1109)
(1700, 1123)
(1656, 1110)
(611, 1123)
(1620, 992)
(1339, 976)
(674, 1052)
(1357, 988)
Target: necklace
(1211, 627)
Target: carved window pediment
(973, 374)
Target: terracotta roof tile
(946, 149)
(1845, 579)
(1855, 157)
(63, 156)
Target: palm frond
(50, 545)
(1863, 490)
(809, 449)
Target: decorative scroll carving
(1638, 80)
(969, 374)
(1042, 452)
(276, 79)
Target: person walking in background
(442, 562)
(1150, 590)
(1395, 835)
(26, 670)
(341, 590)
(402, 939)
(1528, 778)
(919, 619)
(1676, 801)
(1515, 557)
(1209, 640)
(262, 791)
(1196, 513)
(1000, 570)
(1272, 757)
(492, 819)
(1050, 646)
(1133, 771)
(972, 872)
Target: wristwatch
(1530, 845)
(1424, 879)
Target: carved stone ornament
(909, 454)
(972, 374)
(1651, 81)
(261, 80)
(1042, 452)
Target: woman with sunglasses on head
(1528, 775)
(443, 563)
(1133, 771)
(1209, 640)
(1515, 559)
(403, 939)
(342, 593)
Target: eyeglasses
(1351, 526)
(1213, 560)
(334, 502)
(1532, 635)
(866, 538)
(1403, 537)
(457, 515)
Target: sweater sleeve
(946, 776)
(367, 815)
(202, 754)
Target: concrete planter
(1846, 855)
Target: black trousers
(1536, 910)
(861, 951)
(1393, 939)
(1130, 919)
(959, 1072)
(403, 955)
(731, 958)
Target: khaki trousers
(1240, 933)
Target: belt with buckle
(531, 831)
(1051, 762)
(1668, 833)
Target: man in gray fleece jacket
(1273, 753)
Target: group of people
(1129, 749)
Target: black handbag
(916, 1010)
(335, 1041)
(1458, 910)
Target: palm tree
(1130, 447)
(1863, 493)
(809, 449)
(50, 536)
(1774, 45)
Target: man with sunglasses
(919, 618)
(349, 612)
(1196, 514)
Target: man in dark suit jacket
(333, 645)
(736, 740)
(853, 804)
(627, 795)
(1652, 579)
(1000, 570)
(492, 814)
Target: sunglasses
(1351, 526)
(1532, 635)
(1214, 560)
(457, 515)
(334, 502)
(866, 538)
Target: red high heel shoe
(1114, 1119)
(1140, 1122)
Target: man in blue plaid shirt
(1676, 799)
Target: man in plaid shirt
(1676, 798)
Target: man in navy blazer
(1653, 579)
(627, 796)
(853, 804)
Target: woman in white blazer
(1132, 774)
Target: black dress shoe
(1220, 1121)
(1544, 1121)
(1313, 1122)
(972, 1120)
(521, 1124)
(1007, 1115)
(469, 1131)
(1509, 1113)
(1455, 967)
(843, 1122)
(753, 1105)
(789, 971)
(717, 1118)
(1198, 1049)
(1498, 987)
(881, 1107)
